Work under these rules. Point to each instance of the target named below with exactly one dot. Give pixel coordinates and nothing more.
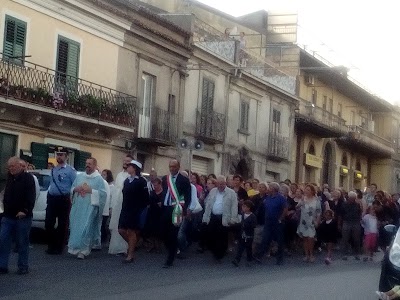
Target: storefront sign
(312, 160)
(344, 170)
(358, 175)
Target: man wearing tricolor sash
(174, 209)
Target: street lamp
(190, 145)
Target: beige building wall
(98, 57)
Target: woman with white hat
(134, 206)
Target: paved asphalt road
(103, 276)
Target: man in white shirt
(221, 211)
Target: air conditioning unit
(310, 79)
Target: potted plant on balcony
(72, 103)
(121, 113)
(105, 111)
(91, 105)
(31, 94)
(43, 97)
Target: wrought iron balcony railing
(317, 114)
(210, 126)
(278, 146)
(157, 125)
(360, 133)
(47, 88)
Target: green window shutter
(14, 39)
(40, 155)
(67, 62)
(80, 160)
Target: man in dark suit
(183, 189)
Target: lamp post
(190, 145)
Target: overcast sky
(362, 35)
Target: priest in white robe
(88, 200)
(117, 243)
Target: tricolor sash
(177, 201)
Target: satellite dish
(198, 145)
(183, 144)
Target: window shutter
(207, 104)
(73, 59)
(62, 57)
(40, 155)
(68, 62)
(80, 160)
(244, 115)
(14, 39)
(204, 95)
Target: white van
(39, 210)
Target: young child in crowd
(328, 234)
(370, 225)
(249, 223)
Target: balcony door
(207, 108)
(67, 68)
(145, 107)
(327, 169)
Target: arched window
(311, 148)
(344, 159)
(358, 164)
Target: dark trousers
(217, 236)
(351, 230)
(104, 229)
(58, 208)
(245, 244)
(169, 233)
(273, 231)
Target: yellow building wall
(381, 174)
(98, 57)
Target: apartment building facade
(237, 101)
(344, 134)
(87, 75)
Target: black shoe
(22, 271)
(167, 266)
(3, 271)
(235, 263)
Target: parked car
(39, 210)
(390, 271)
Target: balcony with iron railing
(157, 126)
(34, 87)
(210, 126)
(245, 60)
(368, 142)
(314, 119)
(278, 147)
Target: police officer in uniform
(59, 202)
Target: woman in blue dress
(135, 199)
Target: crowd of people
(185, 210)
